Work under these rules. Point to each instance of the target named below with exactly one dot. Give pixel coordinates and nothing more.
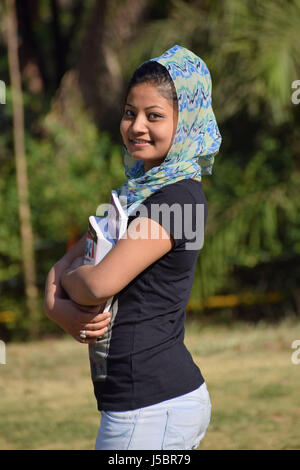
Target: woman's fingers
(93, 325)
(97, 333)
(96, 328)
(93, 318)
(96, 325)
(91, 336)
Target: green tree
(250, 48)
(28, 259)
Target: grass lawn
(47, 399)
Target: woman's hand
(74, 319)
(71, 317)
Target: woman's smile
(138, 143)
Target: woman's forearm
(53, 288)
(76, 283)
(71, 317)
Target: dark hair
(154, 73)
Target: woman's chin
(148, 162)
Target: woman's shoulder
(190, 184)
(185, 190)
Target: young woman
(150, 393)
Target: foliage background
(76, 58)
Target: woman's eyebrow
(148, 107)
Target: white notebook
(104, 233)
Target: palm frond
(246, 234)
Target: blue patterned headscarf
(197, 138)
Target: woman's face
(148, 124)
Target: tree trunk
(110, 29)
(31, 57)
(21, 168)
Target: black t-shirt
(142, 360)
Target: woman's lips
(140, 143)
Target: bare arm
(89, 285)
(53, 285)
(68, 315)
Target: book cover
(104, 233)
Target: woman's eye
(151, 116)
(154, 116)
(127, 112)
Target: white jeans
(179, 423)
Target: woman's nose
(139, 124)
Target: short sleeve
(179, 211)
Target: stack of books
(104, 233)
